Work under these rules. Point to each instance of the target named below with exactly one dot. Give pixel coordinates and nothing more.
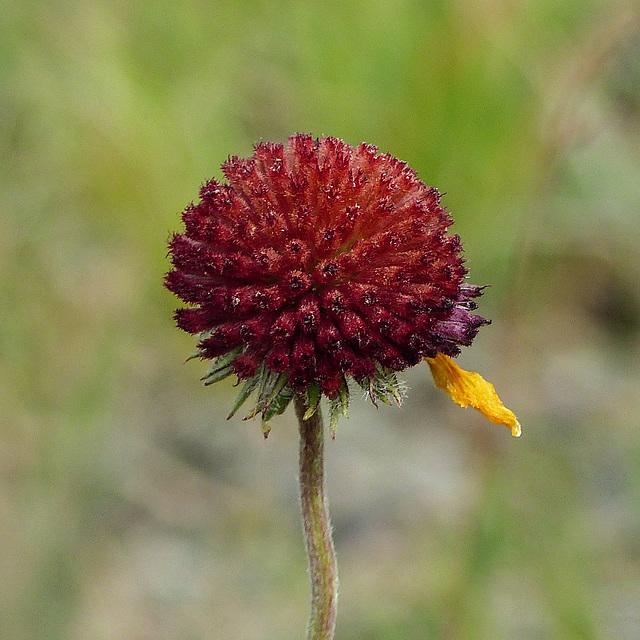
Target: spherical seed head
(317, 263)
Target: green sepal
(313, 400)
(216, 376)
(262, 377)
(343, 395)
(339, 407)
(276, 408)
(367, 385)
(392, 388)
(279, 404)
(247, 389)
(396, 391)
(381, 394)
(194, 355)
(270, 385)
(334, 415)
(218, 365)
(384, 386)
(271, 392)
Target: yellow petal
(470, 388)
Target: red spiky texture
(321, 261)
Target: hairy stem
(323, 570)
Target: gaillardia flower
(317, 264)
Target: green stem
(323, 570)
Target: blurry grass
(130, 510)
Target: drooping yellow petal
(470, 388)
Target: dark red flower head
(316, 263)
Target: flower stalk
(323, 569)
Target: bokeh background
(129, 508)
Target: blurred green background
(130, 509)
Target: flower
(318, 263)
